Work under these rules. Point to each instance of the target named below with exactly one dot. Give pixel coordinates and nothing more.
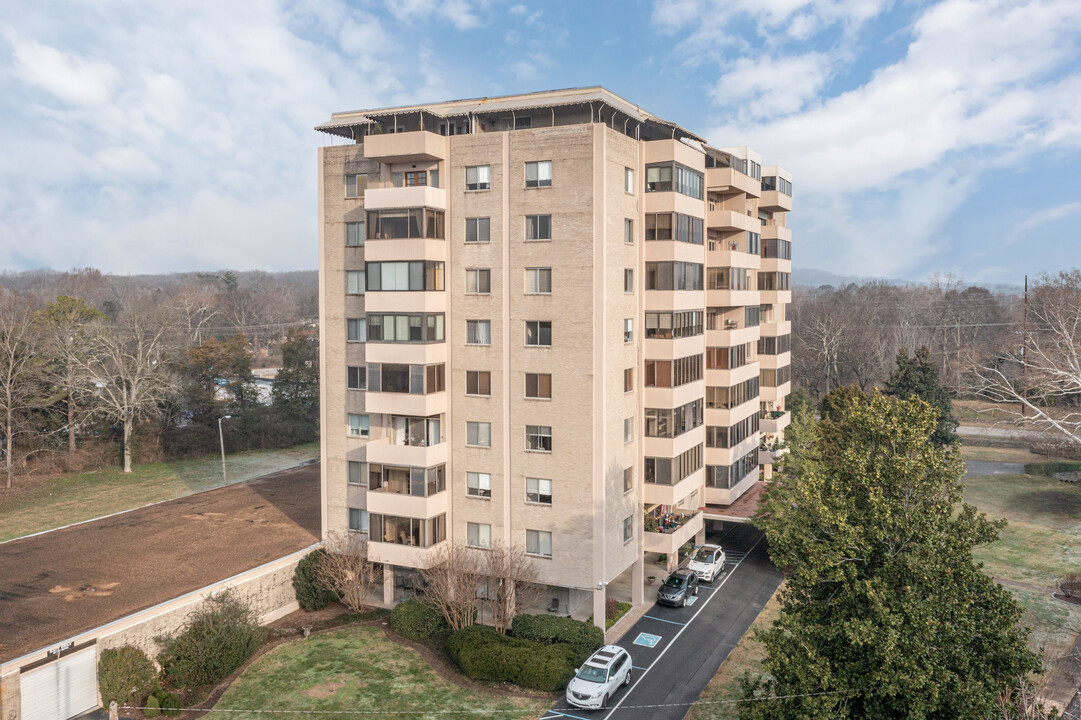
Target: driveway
(60, 583)
(675, 652)
(978, 468)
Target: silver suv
(599, 678)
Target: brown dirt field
(61, 583)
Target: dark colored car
(677, 588)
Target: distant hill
(810, 277)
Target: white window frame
(363, 520)
(479, 223)
(628, 180)
(480, 331)
(542, 174)
(628, 331)
(538, 492)
(539, 432)
(628, 430)
(628, 529)
(628, 231)
(359, 234)
(478, 535)
(528, 222)
(537, 541)
(535, 281)
(628, 281)
(478, 485)
(352, 185)
(361, 324)
(473, 284)
(362, 469)
(482, 178)
(537, 334)
(359, 425)
(480, 431)
(354, 282)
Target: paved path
(60, 583)
(1003, 433)
(693, 641)
(987, 467)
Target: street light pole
(221, 439)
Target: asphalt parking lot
(675, 652)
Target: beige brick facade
(586, 142)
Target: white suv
(599, 678)
(707, 562)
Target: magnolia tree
(346, 570)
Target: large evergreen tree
(917, 376)
(296, 388)
(884, 613)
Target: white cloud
(1047, 215)
(767, 87)
(463, 14)
(71, 79)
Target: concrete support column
(767, 471)
(599, 597)
(672, 561)
(700, 536)
(638, 581)
(388, 584)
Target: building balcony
(725, 417)
(774, 421)
(670, 540)
(417, 146)
(727, 496)
(390, 503)
(731, 220)
(768, 393)
(407, 455)
(417, 301)
(727, 336)
(776, 232)
(775, 329)
(406, 403)
(388, 198)
(377, 250)
(725, 256)
(772, 362)
(775, 297)
(773, 264)
(656, 494)
(731, 378)
(731, 298)
(409, 556)
(775, 201)
(727, 181)
(729, 455)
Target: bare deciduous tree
(127, 364)
(347, 571)
(451, 581)
(21, 376)
(512, 584)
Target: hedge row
(553, 629)
(484, 654)
(415, 620)
(1050, 469)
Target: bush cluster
(125, 673)
(1050, 469)
(1070, 585)
(217, 640)
(484, 654)
(311, 594)
(415, 620)
(162, 702)
(555, 630)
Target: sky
(923, 137)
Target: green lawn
(746, 656)
(360, 669)
(40, 505)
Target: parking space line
(638, 668)
(650, 617)
(672, 641)
(563, 714)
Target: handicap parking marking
(647, 640)
(692, 600)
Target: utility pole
(1024, 352)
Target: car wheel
(685, 600)
(627, 680)
(604, 702)
(696, 591)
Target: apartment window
(774, 345)
(478, 281)
(673, 422)
(356, 377)
(538, 174)
(435, 378)
(732, 435)
(354, 282)
(478, 177)
(538, 333)
(416, 532)
(673, 373)
(628, 529)
(726, 398)
(478, 434)
(406, 275)
(628, 479)
(669, 325)
(628, 280)
(478, 332)
(538, 227)
(628, 180)
(413, 328)
(358, 473)
(754, 242)
(478, 484)
(628, 231)
(628, 380)
(356, 330)
(538, 386)
(628, 330)
(478, 382)
(354, 234)
(478, 535)
(538, 542)
(673, 177)
(776, 378)
(669, 471)
(628, 430)
(355, 185)
(538, 281)
(478, 230)
(404, 223)
(358, 425)
(538, 490)
(538, 437)
(668, 275)
(358, 520)
(774, 248)
(416, 178)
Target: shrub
(150, 708)
(125, 673)
(1070, 586)
(484, 654)
(217, 640)
(415, 620)
(311, 594)
(1050, 469)
(552, 630)
(170, 704)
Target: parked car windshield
(590, 673)
(702, 556)
(673, 582)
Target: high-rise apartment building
(552, 320)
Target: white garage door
(61, 689)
